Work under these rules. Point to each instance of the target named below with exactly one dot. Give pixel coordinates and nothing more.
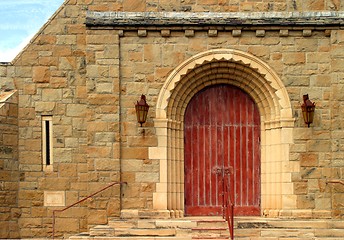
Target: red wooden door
(222, 131)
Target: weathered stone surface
(89, 77)
(210, 18)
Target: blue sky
(20, 20)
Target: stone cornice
(234, 19)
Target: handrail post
(228, 207)
(53, 224)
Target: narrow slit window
(47, 130)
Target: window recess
(47, 142)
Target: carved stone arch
(256, 78)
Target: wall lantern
(141, 110)
(308, 108)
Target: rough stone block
(142, 33)
(284, 33)
(165, 33)
(236, 33)
(212, 33)
(307, 33)
(189, 33)
(260, 33)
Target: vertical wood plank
(222, 129)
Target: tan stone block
(260, 51)
(196, 45)
(51, 95)
(189, 33)
(97, 217)
(106, 165)
(321, 81)
(29, 56)
(27, 113)
(30, 157)
(76, 110)
(99, 152)
(67, 170)
(45, 107)
(59, 184)
(310, 173)
(62, 155)
(46, 39)
(97, 126)
(128, 177)
(67, 224)
(62, 50)
(33, 144)
(319, 146)
(300, 188)
(212, 33)
(133, 203)
(323, 203)
(62, 131)
(284, 33)
(135, 56)
(48, 61)
(102, 99)
(40, 74)
(58, 82)
(104, 87)
(81, 92)
(260, 33)
(165, 33)
(308, 160)
(29, 89)
(134, 153)
(312, 5)
(147, 177)
(30, 222)
(142, 33)
(294, 58)
(25, 72)
(79, 186)
(38, 212)
(152, 53)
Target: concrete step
(208, 228)
(285, 229)
(129, 238)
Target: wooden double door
(222, 147)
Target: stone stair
(209, 228)
(288, 229)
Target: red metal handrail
(80, 201)
(228, 207)
(336, 181)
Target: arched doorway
(221, 146)
(253, 76)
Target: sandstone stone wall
(306, 63)
(217, 5)
(9, 165)
(89, 79)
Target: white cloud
(20, 20)
(7, 55)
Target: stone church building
(224, 81)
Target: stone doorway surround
(225, 66)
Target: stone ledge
(237, 19)
(144, 214)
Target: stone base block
(145, 214)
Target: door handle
(217, 170)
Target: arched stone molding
(224, 66)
